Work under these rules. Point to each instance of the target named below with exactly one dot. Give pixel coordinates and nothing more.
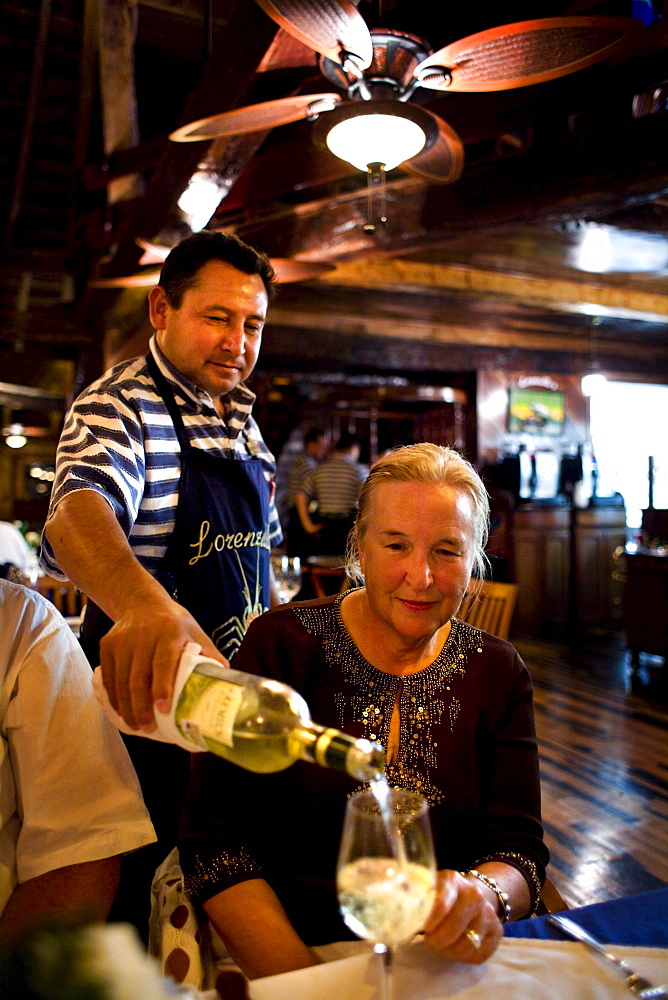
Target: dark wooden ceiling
(485, 273)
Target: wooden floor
(604, 765)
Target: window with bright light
(629, 423)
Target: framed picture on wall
(536, 411)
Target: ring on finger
(473, 937)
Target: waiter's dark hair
(183, 263)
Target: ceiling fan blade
(528, 52)
(256, 117)
(287, 270)
(443, 162)
(327, 26)
(144, 279)
(154, 253)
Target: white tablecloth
(519, 970)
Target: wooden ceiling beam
(227, 77)
(486, 334)
(392, 273)
(298, 349)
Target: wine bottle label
(331, 749)
(208, 707)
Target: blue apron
(217, 561)
(217, 566)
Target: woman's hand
(463, 924)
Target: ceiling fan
(378, 127)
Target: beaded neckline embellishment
(427, 698)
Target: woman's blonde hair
(423, 463)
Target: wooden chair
(490, 607)
(644, 603)
(327, 575)
(551, 900)
(69, 601)
(655, 524)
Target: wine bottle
(264, 725)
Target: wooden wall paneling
(441, 425)
(598, 532)
(542, 567)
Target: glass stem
(386, 956)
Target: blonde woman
(388, 660)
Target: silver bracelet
(504, 905)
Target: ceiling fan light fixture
(385, 132)
(372, 138)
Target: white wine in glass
(386, 873)
(288, 576)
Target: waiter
(162, 509)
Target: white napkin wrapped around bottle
(166, 730)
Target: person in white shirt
(70, 803)
(14, 550)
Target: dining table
(534, 961)
(631, 920)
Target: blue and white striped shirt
(335, 484)
(119, 440)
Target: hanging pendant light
(594, 381)
(376, 136)
(14, 436)
(366, 139)
(382, 132)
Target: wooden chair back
(655, 524)
(327, 580)
(63, 594)
(490, 607)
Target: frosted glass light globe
(386, 139)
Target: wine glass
(288, 576)
(386, 871)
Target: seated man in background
(70, 802)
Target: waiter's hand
(140, 654)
